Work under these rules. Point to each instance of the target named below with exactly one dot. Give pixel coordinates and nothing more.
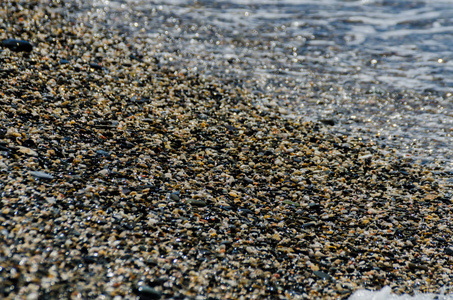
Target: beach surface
(123, 177)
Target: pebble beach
(125, 178)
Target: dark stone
(309, 225)
(135, 57)
(248, 180)
(226, 243)
(148, 293)
(174, 196)
(417, 266)
(96, 66)
(200, 203)
(329, 122)
(314, 206)
(4, 73)
(157, 281)
(246, 211)
(323, 275)
(90, 259)
(17, 45)
(146, 186)
(232, 228)
(29, 143)
(441, 240)
(64, 61)
(231, 128)
(448, 251)
(5, 148)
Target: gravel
(122, 178)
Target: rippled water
(381, 69)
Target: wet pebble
(323, 275)
(448, 251)
(314, 206)
(174, 196)
(199, 203)
(41, 175)
(309, 225)
(148, 293)
(96, 66)
(17, 45)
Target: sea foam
(386, 294)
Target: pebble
(448, 251)
(96, 66)
(323, 275)
(27, 151)
(174, 196)
(103, 153)
(148, 293)
(41, 175)
(200, 203)
(17, 45)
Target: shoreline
(122, 178)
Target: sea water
(379, 69)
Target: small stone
(103, 153)
(251, 250)
(17, 45)
(314, 206)
(174, 196)
(416, 266)
(330, 122)
(12, 132)
(233, 194)
(309, 225)
(231, 128)
(323, 275)
(248, 180)
(148, 293)
(27, 151)
(291, 202)
(200, 203)
(448, 251)
(226, 207)
(104, 172)
(96, 66)
(42, 175)
(51, 200)
(246, 211)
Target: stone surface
(17, 45)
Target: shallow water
(397, 44)
(381, 69)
